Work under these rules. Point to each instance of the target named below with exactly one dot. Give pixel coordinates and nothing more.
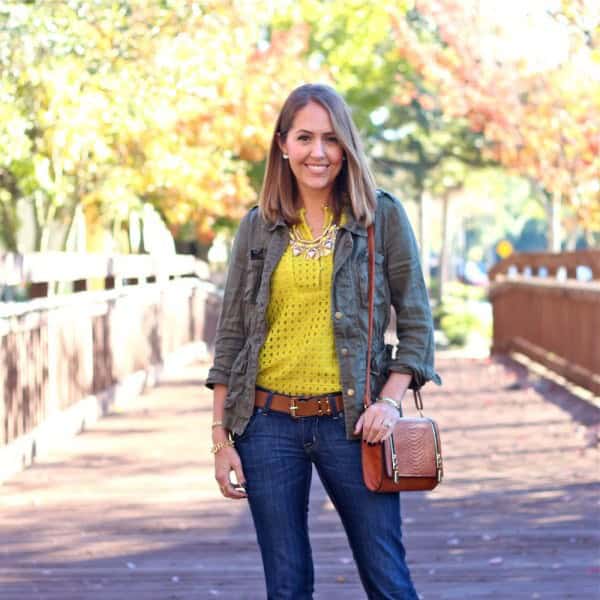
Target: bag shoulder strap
(367, 397)
(371, 246)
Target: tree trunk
(443, 266)
(553, 209)
(44, 237)
(9, 217)
(70, 226)
(9, 224)
(571, 241)
(424, 202)
(592, 238)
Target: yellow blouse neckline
(304, 230)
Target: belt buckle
(293, 408)
(320, 412)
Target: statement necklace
(316, 247)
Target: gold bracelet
(220, 445)
(217, 424)
(391, 402)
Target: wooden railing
(542, 310)
(41, 270)
(56, 350)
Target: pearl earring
(285, 156)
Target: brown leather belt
(300, 406)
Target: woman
(290, 354)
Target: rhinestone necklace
(316, 247)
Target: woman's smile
(317, 169)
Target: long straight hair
(354, 186)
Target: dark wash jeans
(277, 452)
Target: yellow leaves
(168, 105)
(215, 106)
(15, 144)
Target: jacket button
(338, 315)
(344, 351)
(350, 392)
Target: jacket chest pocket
(256, 264)
(363, 279)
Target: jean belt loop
(267, 406)
(334, 411)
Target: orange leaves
(529, 82)
(210, 94)
(407, 92)
(426, 101)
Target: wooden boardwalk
(129, 508)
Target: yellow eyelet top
(298, 356)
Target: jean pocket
(250, 426)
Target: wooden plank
(130, 508)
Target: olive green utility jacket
(242, 326)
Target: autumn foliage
(108, 106)
(530, 86)
(111, 105)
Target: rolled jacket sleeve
(230, 335)
(414, 325)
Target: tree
(131, 102)
(537, 111)
(355, 42)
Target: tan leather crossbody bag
(411, 458)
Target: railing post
(38, 289)
(80, 285)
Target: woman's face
(315, 154)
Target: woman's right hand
(226, 460)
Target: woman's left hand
(377, 422)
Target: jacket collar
(278, 223)
(350, 224)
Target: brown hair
(354, 185)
